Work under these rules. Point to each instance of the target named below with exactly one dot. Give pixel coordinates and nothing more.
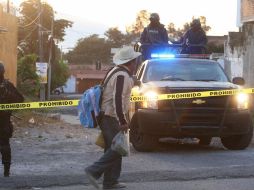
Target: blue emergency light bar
(194, 56)
(157, 55)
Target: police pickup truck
(227, 117)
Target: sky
(96, 16)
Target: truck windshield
(184, 70)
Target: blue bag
(89, 106)
(90, 102)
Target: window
(184, 70)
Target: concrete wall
(8, 44)
(239, 54)
(70, 85)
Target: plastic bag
(100, 140)
(120, 143)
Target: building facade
(8, 43)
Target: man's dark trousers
(110, 163)
(5, 150)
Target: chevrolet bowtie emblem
(198, 101)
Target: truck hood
(191, 84)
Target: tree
(142, 20)
(59, 80)
(34, 13)
(90, 50)
(28, 80)
(205, 27)
(115, 37)
(175, 34)
(29, 22)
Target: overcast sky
(96, 16)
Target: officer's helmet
(196, 23)
(154, 17)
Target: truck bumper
(164, 123)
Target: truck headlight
(151, 102)
(242, 101)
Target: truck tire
(140, 141)
(238, 142)
(205, 141)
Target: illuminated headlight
(242, 101)
(151, 102)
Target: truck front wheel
(140, 141)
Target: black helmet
(196, 23)
(1, 67)
(154, 16)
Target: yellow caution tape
(66, 103)
(35, 105)
(201, 94)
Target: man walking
(115, 105)
(8, 94)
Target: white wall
(70, 86)
(235, 62)
(239, 54)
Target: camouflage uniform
(8, 94)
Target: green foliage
(60, 74)
(115, 37)
(59, 28)
(30, 12)
(142, 20)
(27, 79)
(94, 49)
(90, 50)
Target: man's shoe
(92, 180)
(114, 186)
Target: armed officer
(154, 37)
(8, 94)
(194, 39)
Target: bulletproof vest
(4, 92)
(155, 35)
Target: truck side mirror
(238, 81)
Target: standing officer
(154, 33)
(154, 38)
(8, 94)
(194, 39)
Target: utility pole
(8, 6)
(42, 86)
(51, 41)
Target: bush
(28, 81)
(60, 74)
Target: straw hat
(125, 55)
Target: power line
(28, 35)
(39, 14)
(32, 21)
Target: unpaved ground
(50, 152)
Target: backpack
(90, 102)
